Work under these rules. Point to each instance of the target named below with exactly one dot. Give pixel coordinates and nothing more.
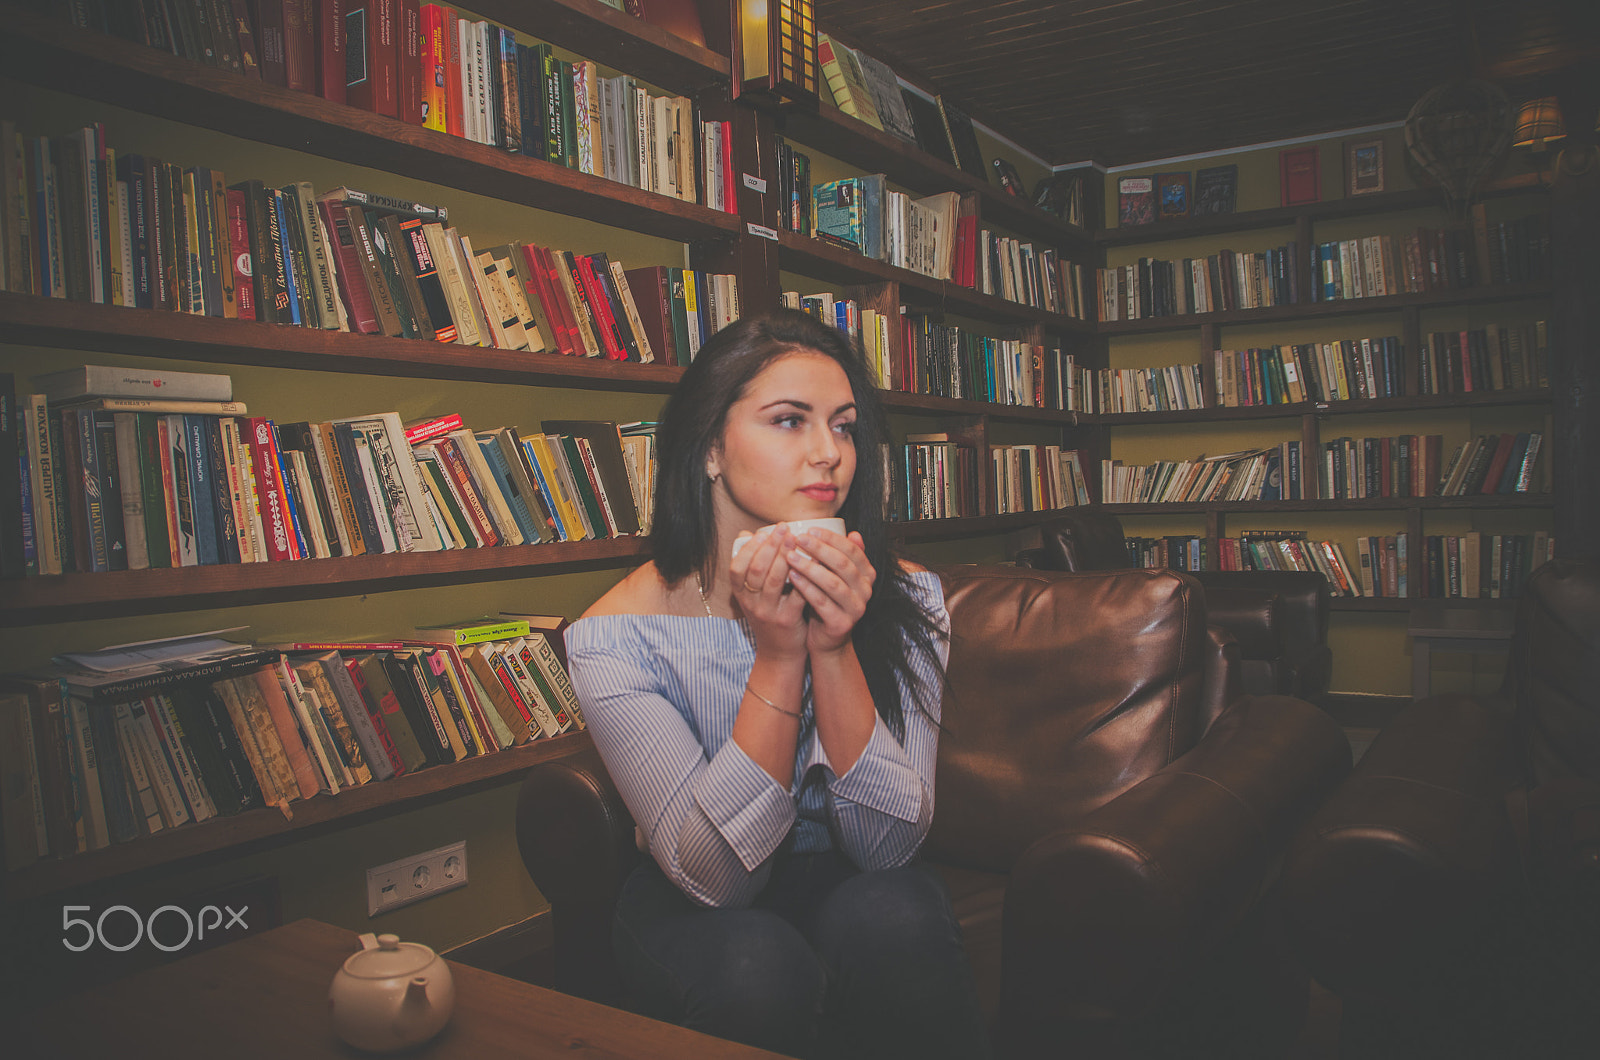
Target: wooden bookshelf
(117, 594)
(56, 322)
(257, 829)
(899, 400)
(1406, 604)
(54, 54)
(1343, 307)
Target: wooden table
(266, 996)
(1436, 627)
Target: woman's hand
(760, 576)
(831, 573)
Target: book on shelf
(846, 81)
(928, 123)
(963, 139)
(1173, 200)
(1136, 201)
(887, 98)
(1299, 175)
(1215, 189)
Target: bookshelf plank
(1338, 308)
(257, 828)
(116, 594)
(1479, 399)
(56, 55)
(901, 400)
(59, 323)
(1289, 216)
(1482, 502)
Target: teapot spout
(415, 1003)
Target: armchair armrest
(576, 839)
(1385, 883)
(1110, 912)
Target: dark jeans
(829, 962)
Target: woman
(771, 720)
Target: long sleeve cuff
(882, 778)
(751, 811)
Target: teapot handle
(368, 940)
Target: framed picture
(1363, 167)
(1172, 196)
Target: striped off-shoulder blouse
(660, 694)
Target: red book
(538, 282)
(352, 280)
(425, 429)
(652, 294)
(435, 64)
(409, 50)
(599, 307)
(555, 306)
(730, 187)
(331, 70)
(452, 73)
(374, 58)
(299, 46)
(269, 28)
(460, 471)
(375, 712)
(244, 288)
(1299, 175)
(269, 489)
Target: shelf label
(755, 184)
(761, 230)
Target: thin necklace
(699, 583)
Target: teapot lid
(389, 959)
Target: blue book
(508, 488)
(545, 492)
(291, 495)
(202, 491)
(285, 250)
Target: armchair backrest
(1083, 540)
(1064, 691)
(1553, 675)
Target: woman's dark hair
(683, 534)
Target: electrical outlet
(399, 883)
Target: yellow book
(846, 81)
(572, 522)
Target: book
(963, 139)
(1299, 175)
(928, 122)
(1136, 200)
(100, 381)
(842, 70)
(1215, 189)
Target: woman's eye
(792, 419)
(845, 427)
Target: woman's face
(788, 446)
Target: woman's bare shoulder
(642, 592)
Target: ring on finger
(751, 588)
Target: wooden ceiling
(1126, 81)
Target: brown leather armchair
(1107, 833)
(1280, 618)
(1449, 892)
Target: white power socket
(419, 876)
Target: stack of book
(1433, 259)
(1252, 475)
(1016, 271)
(1178, 386)
(1493, 357)
(1475, 565)
(105, 747)
(1224, 281)
(931, 476)
(868, 327)
(1036, 478)
(1361, 468)
(134, 470)
(793, 189)
(1314, 371)
(429, 65)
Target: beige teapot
(391, 995)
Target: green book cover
(585, 488)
